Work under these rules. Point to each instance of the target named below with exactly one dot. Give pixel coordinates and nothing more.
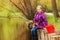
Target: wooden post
(42, 34)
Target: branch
(28, 6)
(18, 7)
(23, 7)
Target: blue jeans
(34, 31)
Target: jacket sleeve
(45, 20)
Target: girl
(40, 20)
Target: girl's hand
(31, 21)
(36, 24)
(45, 29)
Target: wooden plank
(42, 35)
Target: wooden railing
(46, 36)
(54, 36)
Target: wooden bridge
(55, 36)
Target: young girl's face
(39, 9)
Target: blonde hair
(39, 7)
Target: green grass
(8, 27)
(57, 24)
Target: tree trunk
(55, 10)
(27, 7)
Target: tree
(55, 10)
(27, 7)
